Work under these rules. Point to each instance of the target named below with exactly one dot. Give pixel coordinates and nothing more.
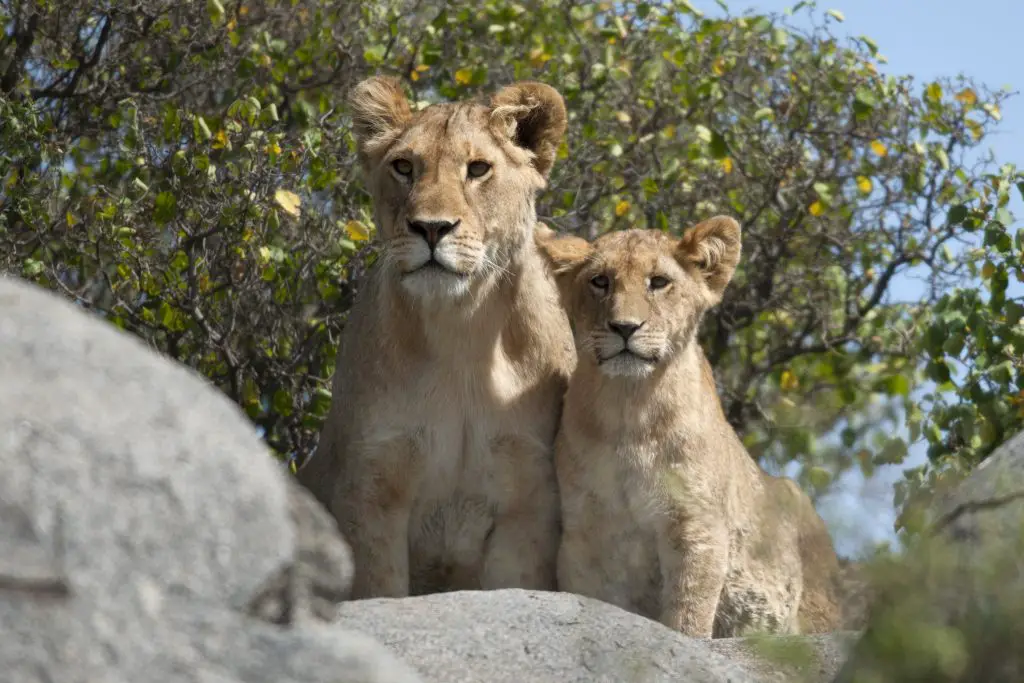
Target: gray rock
(517, 635)
(952, 609)
(142, 522)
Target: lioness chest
(476, 444)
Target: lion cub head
(454, 184)
(636, 297)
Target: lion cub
(664, 512)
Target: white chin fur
(626, 365)
(433, 284)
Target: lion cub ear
(564, 254)
(534, 118)
(713, 248)
(380, 111)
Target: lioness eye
(599, 282)
(659, 282)
(478, 169)
(402, 166)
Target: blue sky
(927, 39)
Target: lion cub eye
(659, 282)
(402, 167)
(478, 169)
(599, 282)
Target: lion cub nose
(432, 231)
(625, 329)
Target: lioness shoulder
(664, 512)
(436, 456)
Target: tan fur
(436, 458)
(664, 512)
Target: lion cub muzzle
(619, 354)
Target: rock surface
(952, 610)
(143, 524)
(516, 635)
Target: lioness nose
(432, 231)
(625, 329)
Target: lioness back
(664, 512)
(436, 457)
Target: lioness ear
(380, 111)
(533, 117)
(713, 247)
(564, 255)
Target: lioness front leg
(523, 547)
(694, 562)
(373, 510)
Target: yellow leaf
(878, 148)
(538, 57)
(788, 381)
(988, 270)
(273, 148)
(623, 117)
(70, 218)
(864, 184)
(817, 208)
(621, 208)
(968, 97)
(975, 127)
(422, 67)
(356, 231)
(220, 140)
(727, 165)
(934, 92)
(718, 66)
(464, 76)
(288, 201)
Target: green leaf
(375, 54)
(898, 385)
(836, 14)
(165, 207)
(957, 214)
(719, 148)
(282, 403)
(1004, 216)
(215, 10)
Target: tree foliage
(190, 175)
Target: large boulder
(145, 532)
(952, 608)
(517, 635)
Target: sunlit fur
(664, 513)
(436, 457)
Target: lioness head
(454, 184)
(635, 297)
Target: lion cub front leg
(694, 560)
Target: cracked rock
(952, 610)
(146, 533)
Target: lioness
(664, 512)
(437, 455)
